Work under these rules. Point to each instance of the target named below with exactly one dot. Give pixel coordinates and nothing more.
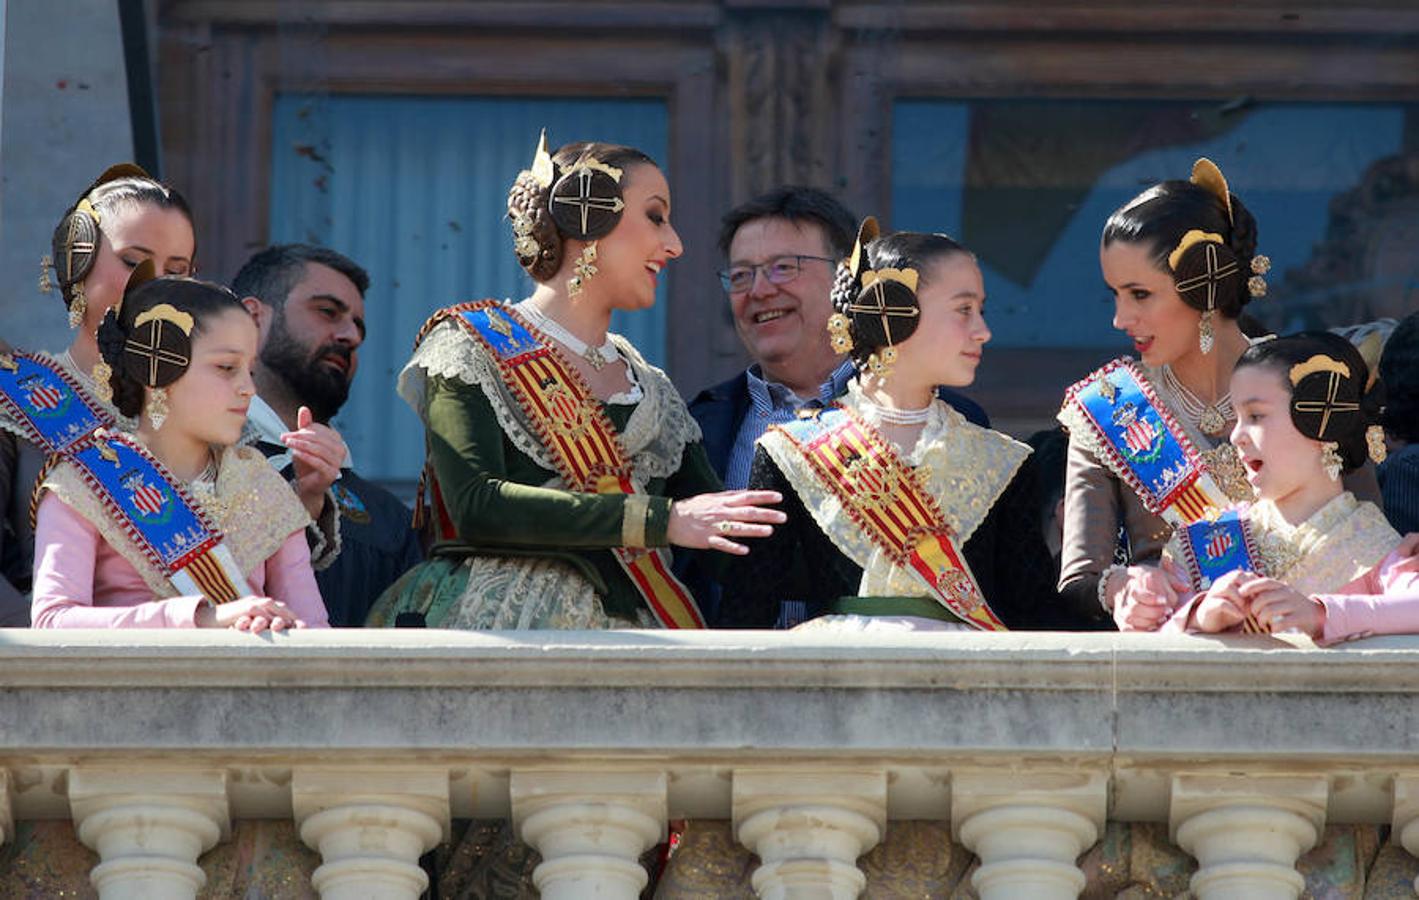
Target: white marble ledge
(1132, 712)
(745, 659)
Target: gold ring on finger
(725, 527)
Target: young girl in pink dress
(172, 525)
(1328, 566)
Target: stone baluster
(591, 829)
(148, 827)
(370, 827)
(1028, 830)
(809, 828)
(1247, 831)
(1406, 815)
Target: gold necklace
(1211, 418)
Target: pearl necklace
(1210, 418)
(891, 416)
(596, 357)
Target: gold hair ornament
(46, 266)
(1256, 284)
(1318, 363)
(542, 170)
(166, 312)
(840, 333)
(1206, 174)
(908, 277)
(1195, 236)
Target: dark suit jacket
(720, 411)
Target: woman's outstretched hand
(716, 521)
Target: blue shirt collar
(768, 395)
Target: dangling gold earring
(156, 408)
(1330, 460)
(77, 307)
(585, 269)
(1205, 337)
(46, 284)
(103, 381)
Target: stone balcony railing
(154, 743)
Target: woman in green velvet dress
(561, 465)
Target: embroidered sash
(573, 427)
(47, 404)
(1143, 444)
(1213, 547)
(884, 497)
(160, 517)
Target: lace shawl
(249, 502)
(965, 467)
(655, 436)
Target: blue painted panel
(1286, 162)
(415, 189)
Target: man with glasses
(782, 249)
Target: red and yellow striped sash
(885, 498)
(584, 445)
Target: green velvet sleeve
(696, 475)
(489, 487)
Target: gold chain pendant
(1212, 423)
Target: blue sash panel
(505, 334)
(808, 427)
(1214, 548)
(47, 402)
(160, 516)
(1127, 418)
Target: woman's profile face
(1147, 306)
(128, 234)
(947, 345)
(209, 401)
(631, 259)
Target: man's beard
(310, 381)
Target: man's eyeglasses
(782, 270)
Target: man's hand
(317, 452)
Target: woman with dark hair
(1148, 447)
(1399, 474)
(1324, 564)
(48, 404)
(172, 525)
(561, 465)
(901, 514)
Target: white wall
(65, 119)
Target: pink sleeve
(1385, 600)
(290, 580)
(1178, 622)
(66, 556)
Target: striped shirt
(770, 403)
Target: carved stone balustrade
(157, 745)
